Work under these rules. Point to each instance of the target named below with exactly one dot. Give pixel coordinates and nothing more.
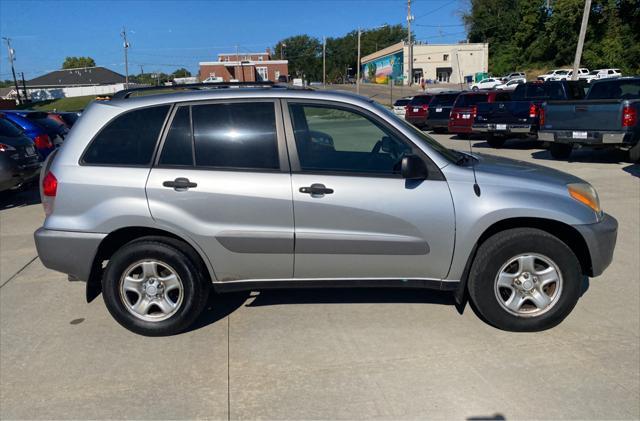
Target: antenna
(476, 187)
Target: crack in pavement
(19, 271)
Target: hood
(510, 172)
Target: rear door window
(178, 145)
(235, 135)
(129, 139)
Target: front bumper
(68, 252)
(601, 241)
(508, 128)
(592, 137)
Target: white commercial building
(443, 63)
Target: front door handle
(180, 184)
(316, 190)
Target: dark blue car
(46, 133)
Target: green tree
(304, 54)
(78, 62)
(181, 72)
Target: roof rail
(126, 93)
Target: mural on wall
(380, 70)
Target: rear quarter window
(128, 140)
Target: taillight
(474, 111)
(6, 148)
(629, 116)
(533, 111)
(541, 116)
(42, 141)
(49, 185)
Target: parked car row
(565, 113)
(26, 139)
(583, 74)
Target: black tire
(195, 286)
(560, 150)
(499, 249)
(496, 141)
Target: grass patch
(77, 103)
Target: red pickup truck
(465, 109)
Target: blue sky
(165, 35)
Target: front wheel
(153, 288)
(524, 279)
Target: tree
(78, 62)
(181, 72)
(523, 33)
(305, 53)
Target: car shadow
(587, 155)
(351, 296)
(513, 143)
(633, 169)
(218, 307)
(30, 195)
(496, 416)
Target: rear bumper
(601, 241)
(592, 138)
(416, 120)
(508, 128)
(458, 128)
(13, 175)
(67, 251)
(439, 123)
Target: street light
(358, 64)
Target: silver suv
(153, 200)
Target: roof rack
(126, 93)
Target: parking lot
(325, 353)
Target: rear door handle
(180, 184)
(316, 189)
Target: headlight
(585, 194)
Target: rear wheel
(560, 150)
(153, 288)
(496, 141)
(524, 279)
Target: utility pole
(324, 62)
(409, 19)
(358, 64)
(583, 32)
(123, 34)
(13, 70)
(24, 88)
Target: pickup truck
(519, 116)
(607, 117)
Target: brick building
(244, 67)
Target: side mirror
(413, 168)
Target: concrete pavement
(310, 354)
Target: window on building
(129, 139)
(260, 58)
(445, 57)
(235, 135)
(263, 73)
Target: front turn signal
(585, 194)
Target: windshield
(448, 154)
(420, 100)
(401, 102)
(618, 89)
(444, 99)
